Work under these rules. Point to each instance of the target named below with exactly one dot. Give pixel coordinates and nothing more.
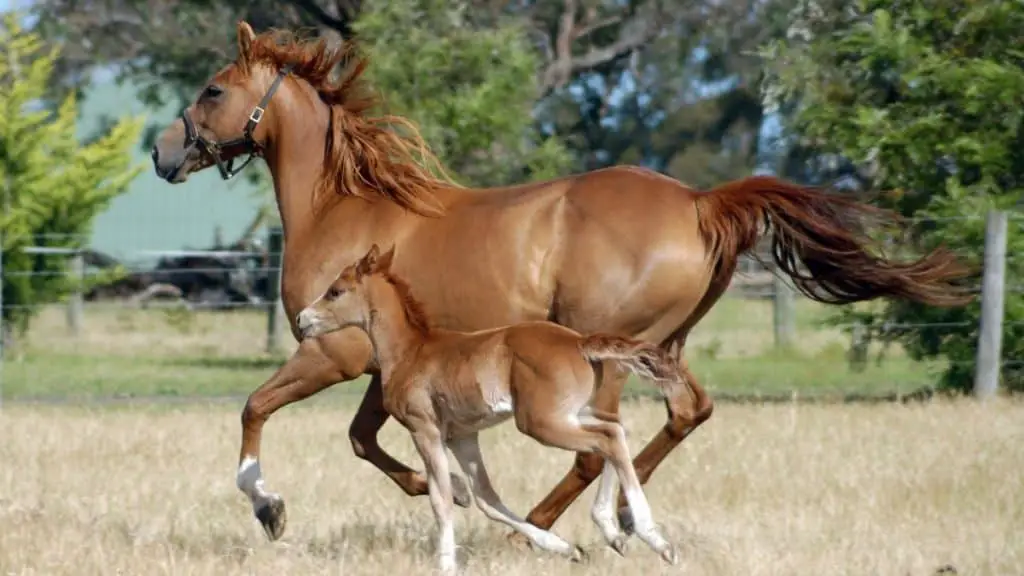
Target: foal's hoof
(273, 518)
(579, 555)
(461, 494)
(619, 544)
(670, 555)
(519, 541)
(626, 520)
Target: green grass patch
(72, 377)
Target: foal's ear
(246, 35)
(368, 263)
(384, 260)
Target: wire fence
(206, 323)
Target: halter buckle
(256, 115)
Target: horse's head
(224, 122)
(346, 301)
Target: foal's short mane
(367, 155)
(412, 307)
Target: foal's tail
(825, 232)
(641, 358)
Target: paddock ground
(780, 489)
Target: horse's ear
(384, 261)
(369, 262)
(246, 35)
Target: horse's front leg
(310, 370)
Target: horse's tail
(641, 358)
(826, 233)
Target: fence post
(76, 270)
(783, 322)
(275, 245)
(990, 328)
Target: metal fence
(221, 309)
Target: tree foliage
(616, 81)
(52, 185)
(924, 99)
(469, 89)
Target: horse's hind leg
(642, 518)
(587, 466)
(467, 452)
(688, 407)
(603, 511)
(597, 432)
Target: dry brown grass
(807, 490)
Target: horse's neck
(295, 162)
(393, 336)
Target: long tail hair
(827, 234)
(641, 358)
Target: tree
(53, 185)
(618, 82)
(469, 89)
(922, 99)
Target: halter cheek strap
(248, 144)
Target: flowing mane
(412, 307)
(367, 155)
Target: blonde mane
(367, 155)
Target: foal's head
(346, 301)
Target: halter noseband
(246, 142)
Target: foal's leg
(369, 419)
(430, 446)
(597, 433)
(307, 372)
(688, 407)
(467, 451)
(603, 511)
(587, 466)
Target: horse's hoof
(626, 520)
(619, 544)
(461, 494)
(273, 518)
(519, 541)
(670, 555)
(579, 555)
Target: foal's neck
(393, 335)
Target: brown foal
(622, 250)
(444, 386)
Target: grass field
(176, 353)
(898, 490)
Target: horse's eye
(212, 91)
(333, 293)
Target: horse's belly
(466, 424)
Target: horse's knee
(253, 412)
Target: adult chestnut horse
(622, 250)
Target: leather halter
(248, 144)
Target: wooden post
(76, 271)
(275, 245)
(783, 322)
(990, 328)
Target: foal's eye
(212, 91)
(333, 293)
